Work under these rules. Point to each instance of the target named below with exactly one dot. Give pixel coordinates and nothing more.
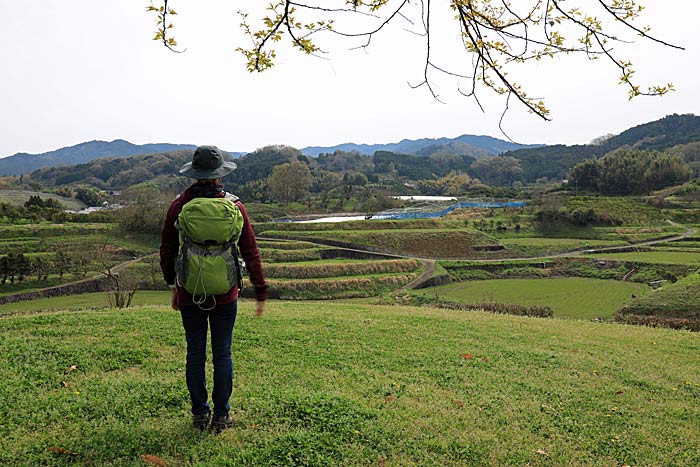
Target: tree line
(629, 171)
(17, 267)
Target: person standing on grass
(217, 311)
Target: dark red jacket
(170, 246)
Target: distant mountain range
(80, 154)
(468, 145)
(475, 146)
(536, 161)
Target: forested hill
(80, 154)
(432, 162)
(670, 131)
(554, 161)
(467, 145)
(110, 173)
(161, 169)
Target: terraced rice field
(308, 271)
(656, 256)
(533, 246)
(573, 297)
(431, 243)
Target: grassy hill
(341, 384)
(677, 301)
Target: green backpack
(209, 261)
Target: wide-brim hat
(208, 162)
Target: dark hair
(206, 189)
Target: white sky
(78, 70)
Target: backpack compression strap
(234, 248)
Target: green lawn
(340, 384)
(573, 297)
(83, 301)
(654, 256)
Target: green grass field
(533, 246)
(19, 197)
(83, 301)
(572, 298)
(339, 384)
(658, 257)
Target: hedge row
(285, 245)
(659, 321)
(308, 271)
(338, 288)
(534, 311)
(566, 267)
(290, 255)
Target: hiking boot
(221, 422)
(201, 421)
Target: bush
(659, 322)
(144, 211)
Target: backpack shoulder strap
(231, 197)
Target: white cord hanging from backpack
(204, 292)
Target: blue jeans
(221, 320)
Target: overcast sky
(81, 70)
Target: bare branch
(496, 34)
(634, 28)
